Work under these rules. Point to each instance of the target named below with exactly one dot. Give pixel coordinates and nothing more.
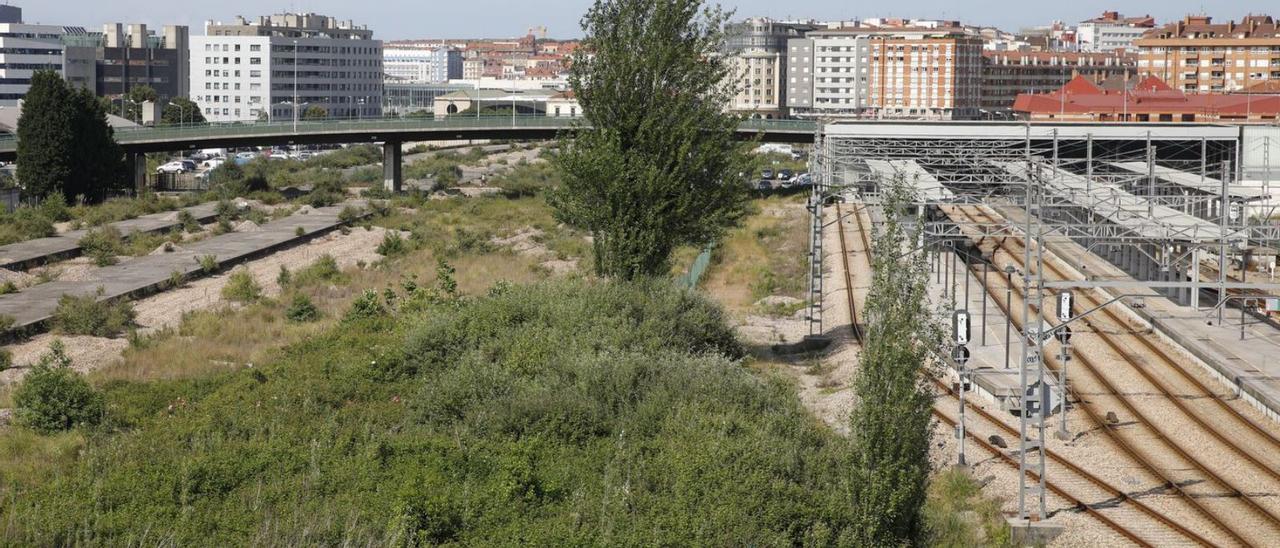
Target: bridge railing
(183, 132)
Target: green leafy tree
(182, 111)
(99, 161)
(655, 165)
(54, 397)
(890, 426)
(314, 112)
(46, 136)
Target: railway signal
(960, 354)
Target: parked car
(172, 167)
(766, 174)
(804, 179)
(213, 163)
(764, 184)
(188, 165)
(786, 174)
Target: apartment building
(1007, 74)
(1112, 31)
(1199, 56)
(422, 64)
(759, 49)
(885, 69)
(827, 74)
(248, 71)
(925, 74)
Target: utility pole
(295, 87)
(1031, 368)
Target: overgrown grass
(958, 515)
(766, 256)
(563, 413)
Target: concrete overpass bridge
(391, 132)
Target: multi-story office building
(422, 64)
(130, 55)
(247, 71)
(759, 49)
(1196, 55)
(25, 49)
(1006, 74)
(1112, 32)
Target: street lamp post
(295, 87)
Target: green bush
(302, 310)
(87, 315)
(103, 244)
(367, 305)
(242, 288)
(323, 270)
(8, 287)
(392, 245)
(6, 359)
(188, 221)
(208, 263)
(55, 207)
(27, 223)
(349, 214)
(54, 397)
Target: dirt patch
(86, 353)
(20, 279)
(525, 242)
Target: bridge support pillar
(138, 172)
(391, 159)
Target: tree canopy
(655, 165)
(182, 111)
(314, 112)
(65, 143)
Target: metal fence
(690, 279)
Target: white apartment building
(827, 74)
(1112, 32)
(759, 49)
(24, 50)
(244, 72)
(422, 64)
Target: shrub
(284, 277)
(6, 359)
(188, 221)
(349, 214)
(392, 245)
(55, 207)
(323, 270)
(299, 232)
(367, 306)
(208, 263)
(103, 244)
(6, 322)
(87, 315)
(54, 397)
(302, 310)
(176, 279)
(242, 288)
(8, 287)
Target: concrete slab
(1032, 533)
(32, 253)
(32, 307)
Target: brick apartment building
(1006, 74)
(1196, 55)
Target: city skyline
(499, 19)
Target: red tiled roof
(1150, 96)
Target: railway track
(1225, 506)
(1071, 483)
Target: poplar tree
(891, 421)
(45, 135)
(655, 164)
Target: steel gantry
(1165, 205)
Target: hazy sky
(396, 19)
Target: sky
(402, 19)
